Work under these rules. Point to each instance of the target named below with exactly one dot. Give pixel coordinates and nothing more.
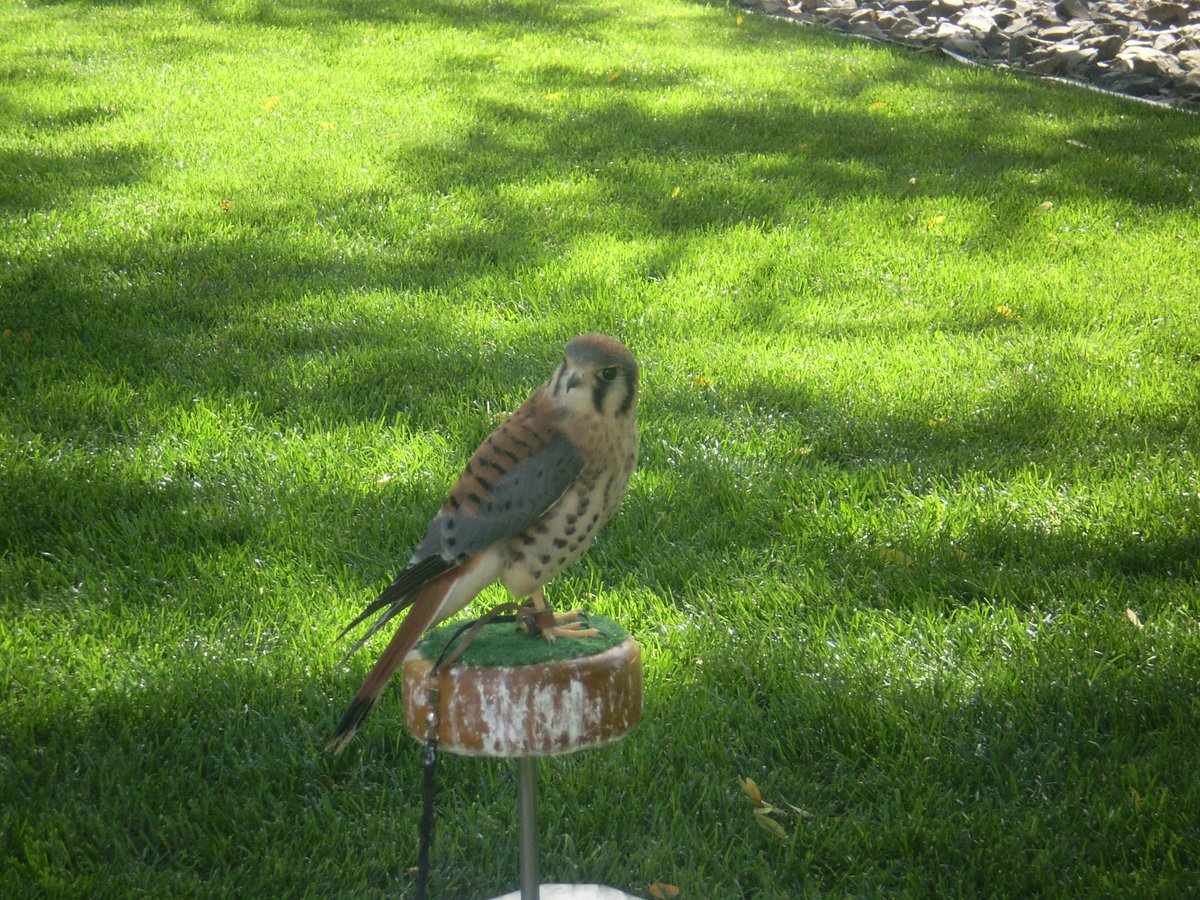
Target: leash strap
(455, 648)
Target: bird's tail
(424, 609)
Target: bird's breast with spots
(564, 533)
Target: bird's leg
(552, 626)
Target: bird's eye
(608, 373)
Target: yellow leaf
(327, 126)
(892, 555)
(1136, 798)
(751, 790)
(1133, 617)
(497, 59)
(226, 205)
(701, 381)
(271, 103)
(1004, 310)
(770, 825)
(960, 555)
(557, 95)
(1051, 236)
(738, 20)
(613, 77)
(661, 891)
(878, 105)
(675, 193)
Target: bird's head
(598, 376)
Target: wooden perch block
(532, 709)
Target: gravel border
(1145, 51)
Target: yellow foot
(570, 629)
(552, 626)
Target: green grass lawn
(915, 536)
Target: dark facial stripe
(630, 391)
(599, 392)
(558, 378)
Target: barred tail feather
(424, 608)
(443, 596)
(399, 594)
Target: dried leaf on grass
(751, 790)
(763, 818)
(766, 815)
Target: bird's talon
(583, 633)
(543, 622)
(572, 628)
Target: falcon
(529, 503)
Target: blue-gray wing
(511, 480)
(499, 498)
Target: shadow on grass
(200, 760)
(38, 180)
(776, 161)
(204, 766)
(873, 481)
(1046, 753)
(516, 16)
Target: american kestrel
(529, 503)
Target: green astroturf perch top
(501, 644)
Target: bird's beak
(574, 381)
